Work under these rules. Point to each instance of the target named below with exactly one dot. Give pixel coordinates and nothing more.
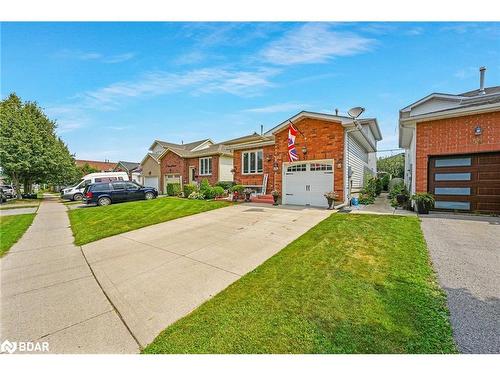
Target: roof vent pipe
(481, 79)
(261, 129)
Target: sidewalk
(48, 292)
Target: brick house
(452, 148)
(334, 154)
(187, 163)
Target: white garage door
(305, 183)
(150, 181)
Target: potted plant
(276, 195)
(424, 202)
(331, 197)
(248, 192)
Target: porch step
(267, 198)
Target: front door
(192, 174)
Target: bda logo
(9, 347)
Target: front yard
(11, 230)
(93, 223)
(352, 284)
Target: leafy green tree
(30, 150)
(87, 169)
(394, 165)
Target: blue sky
(115, 87)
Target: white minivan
(75, 192)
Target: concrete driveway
(158, 274)
(465, 251)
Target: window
(452, 176)
(100, 187)
(321, 167)
(452, 205)
(456, 162)
(119, 186)
(105, 179)
(296, 168)
(452, 191)
(205, 166)
(252, 162)
(132, 186)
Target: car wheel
(104, 201)
(77, 197)
(149, 196)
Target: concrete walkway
(381, 206)
(465, 252)
(158, 274)
(48, 292)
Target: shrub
(173, 189)
(399, 189)
(395, 181)
(366, 198)
(208, 192)
(204, 185)
(226, 185)
(188, 189)
(219, 191)
(237, 189)
(385, 182)
(196, 195)
(424, 199)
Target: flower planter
(331, 203)
(401, 199)
(422, 208)
(275, 199)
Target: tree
(394, 165)
(30, 150)
(87, 169)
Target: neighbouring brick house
(452, 147)
(187, 163)
(334, 154)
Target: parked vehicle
(103, 194)
(3, 196)
(75, 193)
(8, 190)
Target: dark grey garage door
(469, 182)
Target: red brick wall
(454, 136)
(324, 140)
(172, 163)
(255, 179)
(195, 162)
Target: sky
(113, 88)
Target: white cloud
(465, 73)
(94, 56)
(314, 43)
(199, 81)
(278, 108)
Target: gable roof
(128, 165)
(446, 106)
(104, 166)
(184, 146)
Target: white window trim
(211, 166)
(242, 162)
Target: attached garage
(172, 179)
(152, 181)
(306, 182)
(468, 182)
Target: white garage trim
(152, 181)
(315, 195)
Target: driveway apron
(48, 292)
(465, 252)
(158, 274)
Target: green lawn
(11, 230)
(93, 223)
(20, 203)
(352, 284)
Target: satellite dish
(355, 112)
